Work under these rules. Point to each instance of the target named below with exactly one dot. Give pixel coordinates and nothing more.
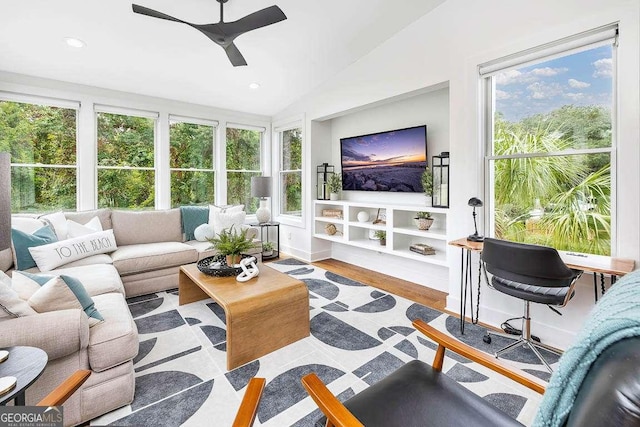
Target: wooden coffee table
(263, 314)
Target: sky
(583, 78)
(407, 145)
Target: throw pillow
(53, 255)
(26, 284)
(203, 232)
(11, 305)
(192, 217)
(76, 230)
(58, 222)
(22, 242)
(64, 292)
(225, 209)
(224, 220)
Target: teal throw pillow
(81, 293)
(23, 241)
(192, 217)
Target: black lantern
(323, 171)
(440, 170)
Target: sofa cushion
(75, 229)
(58, 222)
(11, 305)
(203, 233)
(22, 241)
(115, 340)
(139, 258)
(136, 227)
(53, 255)
(85, 216)
(98, 279)
(6, 259)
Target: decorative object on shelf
(422, 249)
(332, 213)
(216, 265)
(363, 216)
(249, 269)
(267, 249)
(381, 218)
(476, 203)
(261, 187)
(382, 235)
(427, 185)
(424, 220)
(440, 167)
(232, 243)
(323, 172)
(331, 229)
(335, 185)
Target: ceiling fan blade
(258, 19)
(155, 14)
(236, 58)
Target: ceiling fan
(224, 33)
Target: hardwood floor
(420, 294)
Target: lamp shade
(261, 186)
(475, 202)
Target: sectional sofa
(151, 246)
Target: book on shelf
(422, 249)
(332, 213)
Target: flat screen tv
(385, 161)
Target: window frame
(559, 48)
(296, 220)
(173, 118)
(44, 101)
(261, 154)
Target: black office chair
(532, 273)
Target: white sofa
(151, 249)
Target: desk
(26, 364)
(596, 264)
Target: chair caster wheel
(487, 338)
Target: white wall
(447, 45)
(89, 96)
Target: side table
(266, 236)
(26, 364)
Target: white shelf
(399, 225)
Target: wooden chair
(405, 399)
(246, 414)
(61, 393)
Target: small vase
(333, 196)
(267, 253)
(383, 242)
(233, 259)
(424, 223)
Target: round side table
(26, 364)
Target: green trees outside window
(550, 160)
(291, 172)
(42, 143)
(192, 163)
(126, 174)
(243, 161)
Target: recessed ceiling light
(74, 42)
(254, 85)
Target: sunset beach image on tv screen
(386, 161)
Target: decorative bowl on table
(217, 266)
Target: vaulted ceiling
(134, 53)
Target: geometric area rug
(359, 335)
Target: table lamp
(476, 203)
(261, 187)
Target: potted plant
(267, 248)
(231, 244)
(427, 184)
(424, 220)
(334, 182)
(382, 235)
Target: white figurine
(249, 269)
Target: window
(126, 166)
(192, 147)
(550, 144)
(290, 182)
(42, 143)
(243, 161)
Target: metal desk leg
(595, 287)
(462, 276)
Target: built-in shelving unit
(399, 225)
